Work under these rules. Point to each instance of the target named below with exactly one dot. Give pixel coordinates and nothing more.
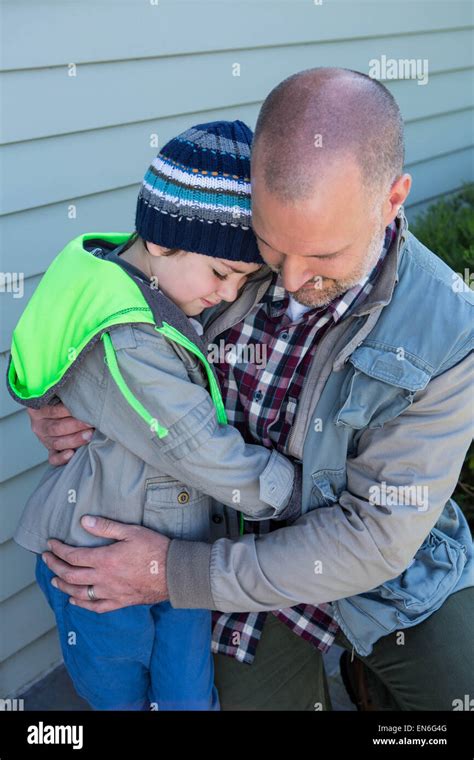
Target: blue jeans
(136, 658)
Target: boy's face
(196, 282)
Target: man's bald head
(355, 117)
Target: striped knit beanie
(196, 194)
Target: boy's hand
(61, 433)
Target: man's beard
(326, 289)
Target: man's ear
(398, 194)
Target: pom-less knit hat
(196, 194)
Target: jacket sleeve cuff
(188, 575)
(276, 482)
(293, 509)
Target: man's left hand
(130, 571)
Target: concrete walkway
(56, 692)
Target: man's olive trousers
(429, 668)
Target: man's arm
(358, 543)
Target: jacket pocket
(381, 386)
(176, 510)
(327, 486)
(406, 600)
(429, 578)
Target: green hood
(69, 306)
(78, 299)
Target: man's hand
(131, 571)
(59, 432)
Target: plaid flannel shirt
(261, 402)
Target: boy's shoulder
(138, 349)
(144, 343)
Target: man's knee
(429, 666)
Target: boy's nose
(228, 291)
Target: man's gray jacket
(382, 427)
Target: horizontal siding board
(24, 450)
(17, 569)
(441, 175)
(25, 617)
(14, 494)
(54, 34)
(118, 93)
(10, 311)
(92, 162)
(30, 664)
(69, 166)
(31, 255)
(436, 136)
(7, 404)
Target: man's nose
(294, 274)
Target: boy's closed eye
(243, 275)
(219, 275)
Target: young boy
(109, 333)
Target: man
(367, 383)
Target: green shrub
(447, 229)
(464, 493)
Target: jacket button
(183, 497)
(217, 519)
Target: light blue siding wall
(147, 68)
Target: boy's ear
(154, 249)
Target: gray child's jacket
(127, 472)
